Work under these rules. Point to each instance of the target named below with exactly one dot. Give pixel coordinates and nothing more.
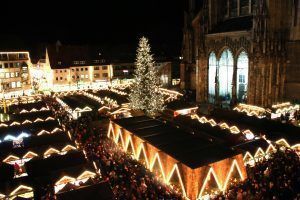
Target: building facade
(15, 69)
(66, 67)
(242, 50)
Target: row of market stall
(39, 158)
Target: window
(5, 65)
(96, 75)
(73, 77)
(241, 78)
(12, 74)
(96, 68)
(86, 69)
(225, 74)
(57, 78)
(65, 70)
(105, 74)
(244, 7)
(212, 69)
(13, 84)
(17, 74)
(77, 69)
(82, 76)
(60, 71)
(77, 77)
(18, 84)
(104, 67)
(72, 70)
(86, 76)
(81, 69)
(7, 75)
(76, 62)
(22, 56)
(59, 62)
(0, 65)
(82, 62)
(11, 65)
(61, 78)
(2, 75)
(233, 8)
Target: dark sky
(98, 22)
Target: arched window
(242, 76)
(212, 68)
(225, 74)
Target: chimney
(57, 45)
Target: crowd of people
(277, 178)
(128, 178)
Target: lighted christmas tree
(145, 94)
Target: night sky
(106, 23)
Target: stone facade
(267, 30)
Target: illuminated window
(212, 71)
(17, 74)
(82, 76)
(18, 84)
(225, 74)
(2, 75)
(86, 76)
(6, 75)
(13, 84)
(12, 74)
(242, 75)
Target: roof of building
(100, 190)
(185, 147)
(215, 133)
(35, 142)
(65, 56)
(274, 130)
(234, 24)
(180, 104)
(54, 166)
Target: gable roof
(185, 147)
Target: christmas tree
(145, 94)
